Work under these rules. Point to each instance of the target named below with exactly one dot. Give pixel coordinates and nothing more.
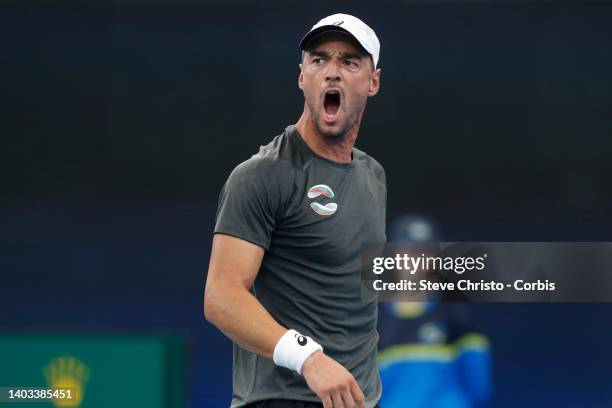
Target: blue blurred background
(121, 122)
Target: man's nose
(333, 71)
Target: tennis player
(284, 276)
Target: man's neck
(338, 149)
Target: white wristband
(293, 349)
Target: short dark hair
(365, 54)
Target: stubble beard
(346, 125)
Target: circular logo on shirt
(324, 190)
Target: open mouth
(332, 103)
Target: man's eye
(350, 63)
(317, 60)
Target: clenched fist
(332, 383)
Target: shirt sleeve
(248, 204)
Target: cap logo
(339, 22)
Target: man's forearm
(238, 314)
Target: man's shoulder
(269, 163)
(370, 163)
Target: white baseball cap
(348, 24)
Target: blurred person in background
(431, 354)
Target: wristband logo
(322, 189)
(301, 339)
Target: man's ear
(374, 82)
(301, 79)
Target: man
(284, 276)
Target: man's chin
(334, 135)
(332, 131)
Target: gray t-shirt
(312, 216)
